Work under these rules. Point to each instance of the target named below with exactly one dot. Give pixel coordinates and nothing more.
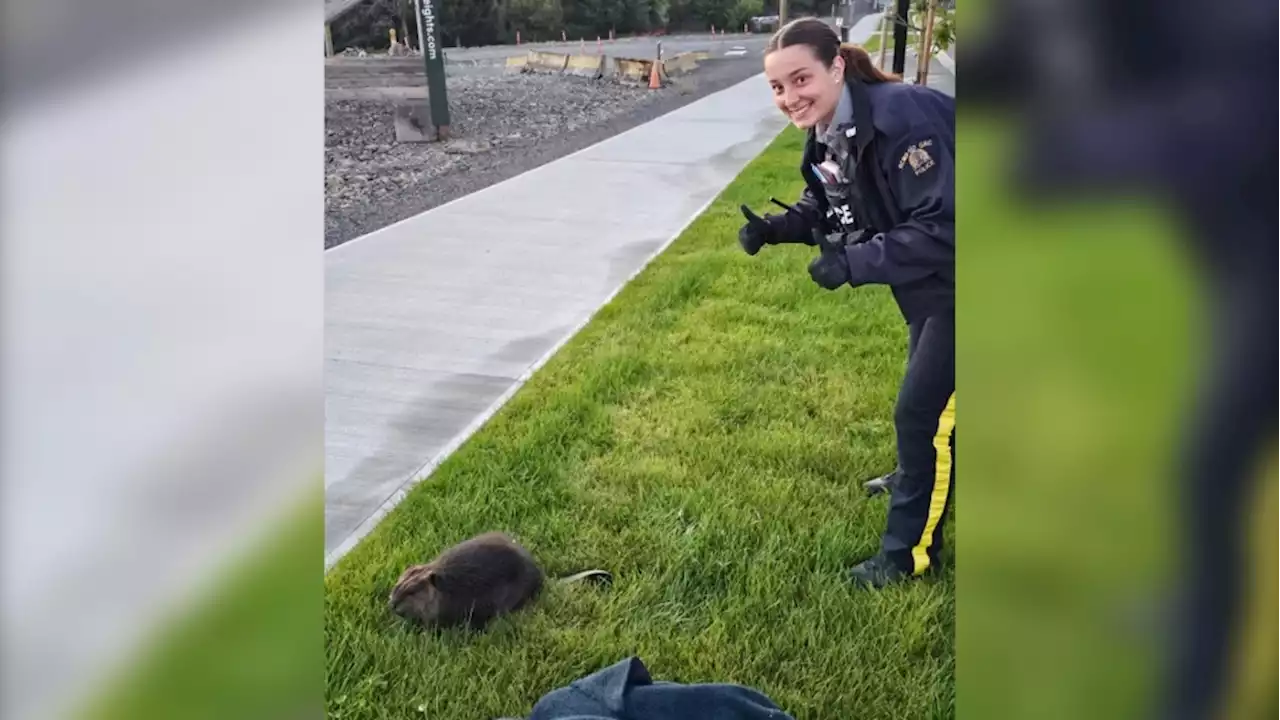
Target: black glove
(757, 233)
(831, 268)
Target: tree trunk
(405, 10)
(926, 46)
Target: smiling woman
(879, 202)
(806, 65)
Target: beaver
(473, 582)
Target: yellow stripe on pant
(1251, 684)
(941, 485)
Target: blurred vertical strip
(161, 385)
(1117, 353)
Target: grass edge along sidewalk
(703, 437)
(872, 44)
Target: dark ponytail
(859, 65)
(825, 44)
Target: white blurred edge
(161, 321)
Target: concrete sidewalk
(941, 76)
(431, 324)
(862, 30)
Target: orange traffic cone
(655, 82)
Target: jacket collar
(841, 120)
(857, 96)
(862, 122)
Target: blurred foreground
(1118, 359)
(162, 338)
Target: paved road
(646, 47)
(349, 77)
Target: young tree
(936, 27)
(944, 23)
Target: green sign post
(433, 56)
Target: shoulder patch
(917, 157)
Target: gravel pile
(490, 116)
(501, 125)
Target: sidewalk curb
(427, 468)
(946, 61)
(477, 423)
(941, 56)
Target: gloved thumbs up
(830, 269)
(756, 233)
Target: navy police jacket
(901, 172)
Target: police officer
(879, 204)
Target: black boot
(883, 484)
(877, 572)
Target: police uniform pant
(913, 339)
(1230, 428)
(924, 421)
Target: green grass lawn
(872, 45)
(704, 438)
(1078, 320)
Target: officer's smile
(797, 112)
(804, 89)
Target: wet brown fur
(470, 583)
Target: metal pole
(433, 57)
(900, 37)
(782, 13)
(417, 13)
